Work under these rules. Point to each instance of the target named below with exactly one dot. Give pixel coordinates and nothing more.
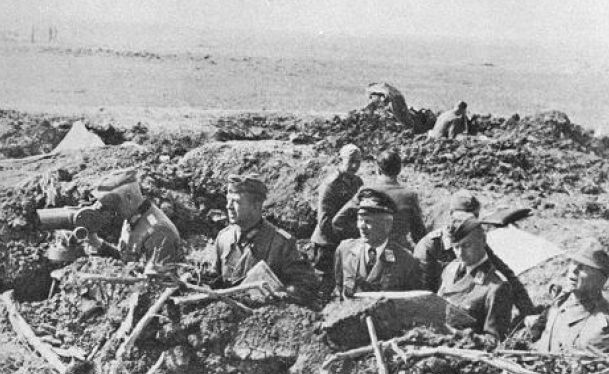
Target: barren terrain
(180, 119)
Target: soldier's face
(350, 165)
(584, 279)
(470, 249)
(243, 208)
(374, 228)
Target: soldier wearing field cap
(334, 192)
(579, 316)
(250, 238)
(472, 283)
(435, 251)
(374, 262)
(146, 228)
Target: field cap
(463, 229)
(464, 200)
(250, 183)
(373, 201)
(115, 180)
(349, 150)
(593, 255)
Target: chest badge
(479, 278)
(389, 255)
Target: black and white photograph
(304, 187)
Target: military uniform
(335, 191)
(434, 253)
(483, 293)
(408, 226)
(238, 252)
(450, 124)
(396, 269)
(572, 324)
(146, 231)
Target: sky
(566, 21)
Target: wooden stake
(123, 329)
(27, 335)
(141, 325)
(378, 353)
(216, 295)
(154, 368)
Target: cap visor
(585, 261)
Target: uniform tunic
(395, 270)
(572, 324)
(408, 227)
(334, 192)
(434, 253)
(144, 233)
(483, 293)
(238, 252)
(449, 125)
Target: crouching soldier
(579, 316)
(250, 238)
(374, 262)
(472, 283)
(146, 228)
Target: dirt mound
(291, 173)
(23, 134)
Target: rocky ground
(543, 162)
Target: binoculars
(73, 218)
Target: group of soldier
(371, 237)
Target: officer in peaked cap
(435, 251)
(579, 316)
(146, 229)
(250, 238)
(408, 225)
(472, 283)
(374, 261)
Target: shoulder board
(500, 275)
(152, 220)
(284, 233)
(435, 234)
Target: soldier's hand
(94, 242)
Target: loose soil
(543, 162)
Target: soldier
(472, 283)
(451, 123)
(334, 192)
(435, 251)
(145, 227)
(250, 238)
(384, 94)
(374, 262)
(408, 227)
(579, 316)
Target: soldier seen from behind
(451, 123)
